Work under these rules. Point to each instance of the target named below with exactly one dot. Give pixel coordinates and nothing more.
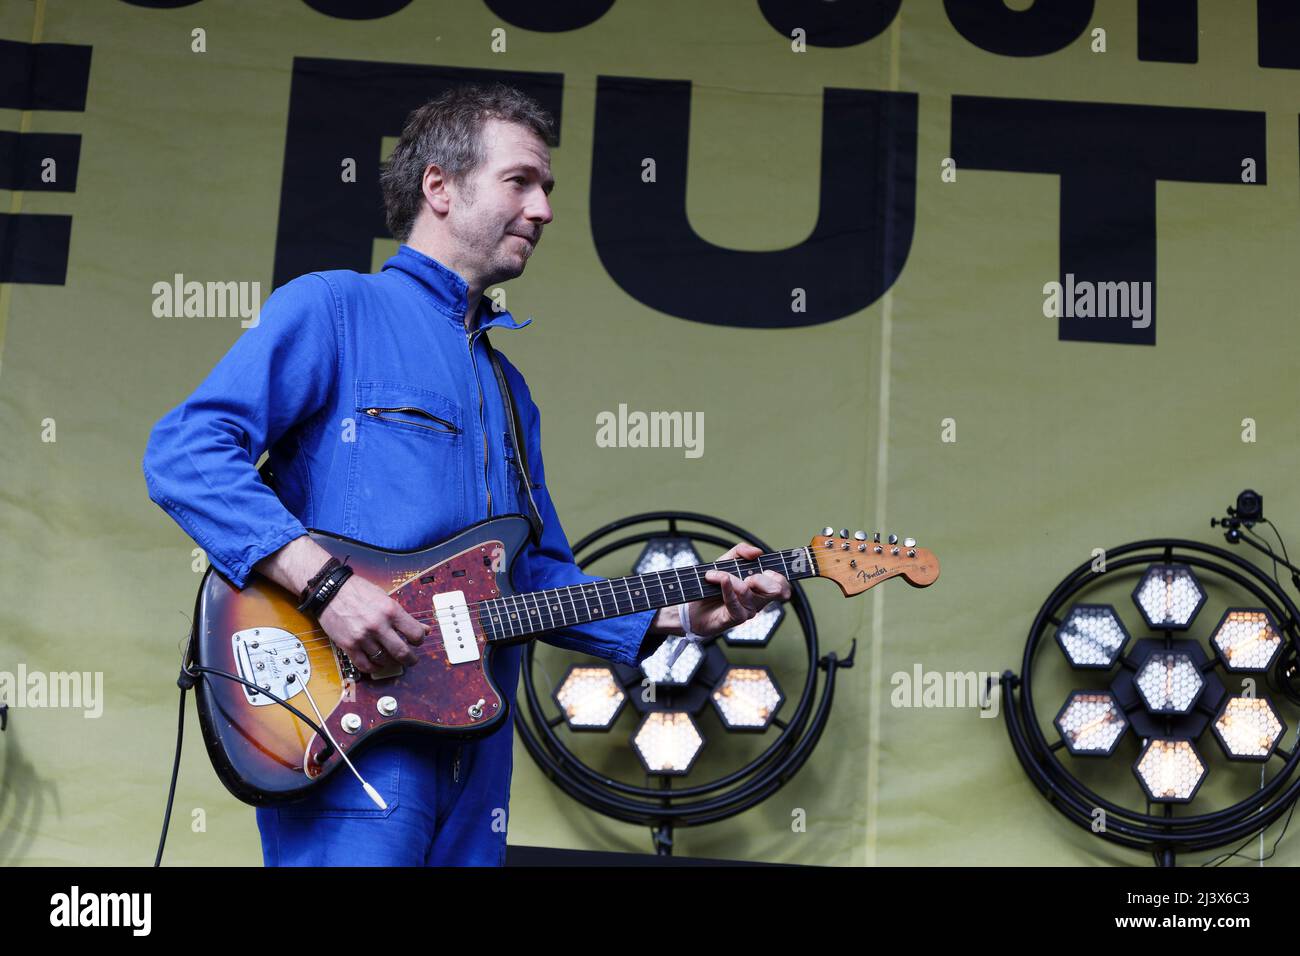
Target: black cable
(1295, 578)
(190, 672)
(1223, 858)
(171, 792)
(197, 668)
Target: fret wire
(495, 614)
(550, 610)
(577, 618)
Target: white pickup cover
(458, 638)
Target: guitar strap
(516, 441)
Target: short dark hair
(447, 132)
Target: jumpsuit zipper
(446, 426)
(469, 338)
(455, 768)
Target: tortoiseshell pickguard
(434, 693)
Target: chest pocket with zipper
(408, 462)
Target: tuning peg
(860, 535)
(893, 539)
(828, 531)
(844, 532)
(909, 542)
(876, 536)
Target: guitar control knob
(476, 710)
(351, 723)
(860, 535)
(909, 542)
(387, 706)
(300, 657)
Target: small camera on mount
(1250, 509)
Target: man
(376, 398)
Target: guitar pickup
(458, 638)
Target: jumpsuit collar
(448, 290)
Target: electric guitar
(281, 707)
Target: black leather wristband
(316, 580)
(324, 592)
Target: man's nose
(539, 210)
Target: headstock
(857, 560)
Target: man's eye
(518, 179)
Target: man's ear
(435, 187)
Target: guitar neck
(515, 617)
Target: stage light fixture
(1248, 728)
(1169, 682)
(1247, 639)
(668, 738)
(1170, 771)
(590, 698)
(1169, 597)
(1092, 636)
(667, 743)
(1167, 689)
(747, 698)
(1091, 723)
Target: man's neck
(473, 293)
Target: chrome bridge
(268, 656)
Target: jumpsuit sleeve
(200, 461)
(552, 565)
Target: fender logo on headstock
(865, 575)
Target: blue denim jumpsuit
(327, 346)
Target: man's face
(498, 211)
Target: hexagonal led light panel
(1246, 639)
(590, 698)
(747, 698)
(1092, 636)
(1091, 723)
(1169, 596)
(660, 554)
(1169, 682)
(758, 630)
(1248, 728)
(667, 743)
(656, 666)
(1170, 771)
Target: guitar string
(441, 616)
(742, 564)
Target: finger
(770, 584)
(734, 594)
(360, 655)
(411, 630)
(742, 550)
(394, 644)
